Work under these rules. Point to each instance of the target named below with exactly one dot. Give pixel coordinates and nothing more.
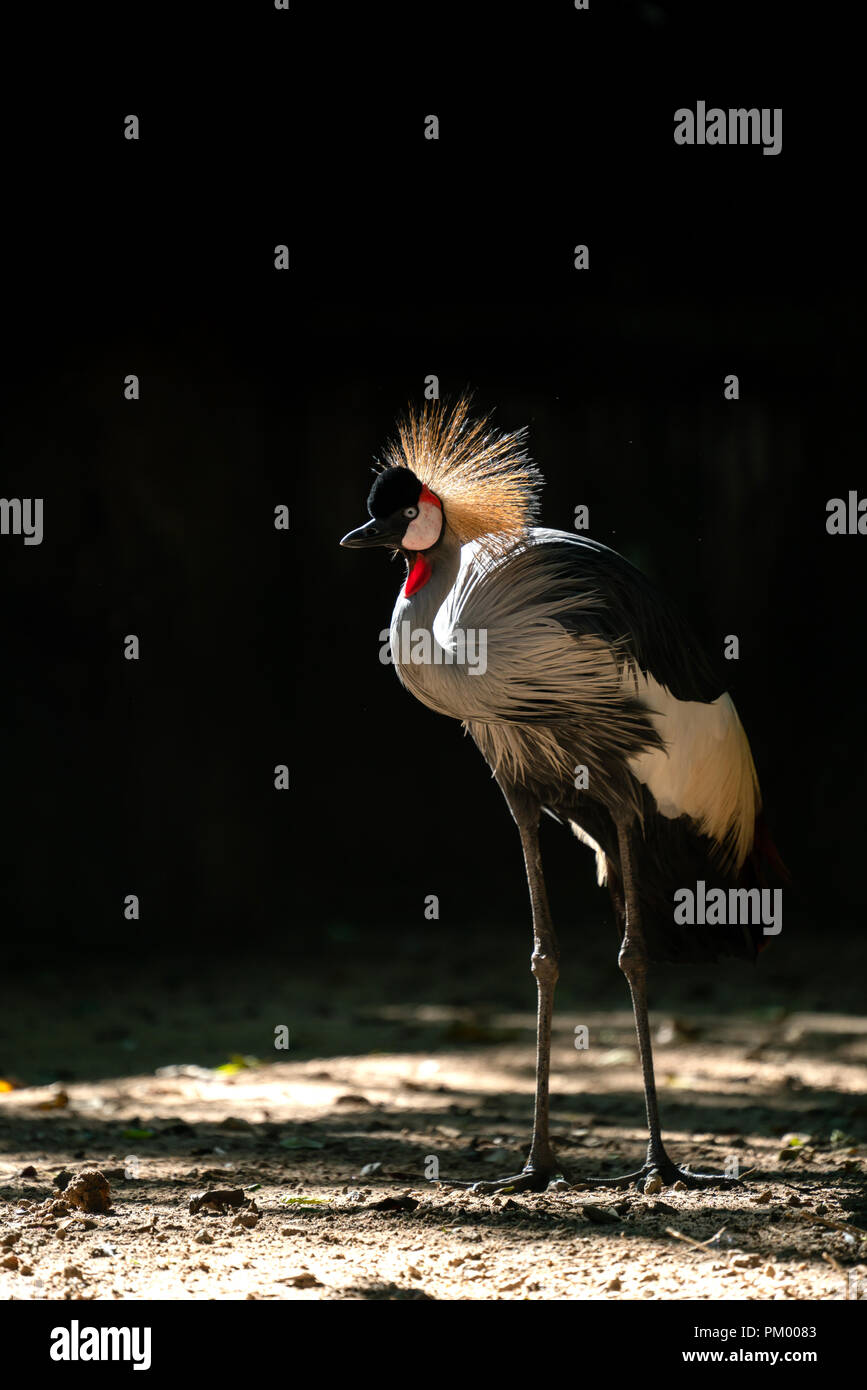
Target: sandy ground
(327, 1153)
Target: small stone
(203, 1237)
(72, 1224)
(653, 1183)
(304, 1280)
(9, 1261)
(403, 1203)
(88, 1190)
(599, 1215)
(216, 1199)
(370, 1169)
(762, 1197)
(770, 1272)
(680, 1186)
(28, 1172)
(613, 1286)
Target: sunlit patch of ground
(379, 1089)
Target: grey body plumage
(569, 626)
(549, 699)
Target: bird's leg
(541, 1166)
(633, 963)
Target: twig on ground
(698, 1244)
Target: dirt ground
(164, 1080)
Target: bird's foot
(657, 1173)
(534, 1178)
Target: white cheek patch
(424, 531)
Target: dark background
(258, 388)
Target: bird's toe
(529, 1180)
(655, 1176)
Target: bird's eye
(410, 512)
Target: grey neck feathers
(422, 607)
(434, 681)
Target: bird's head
(404, 513)
(447, 477)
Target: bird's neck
(431, 577)
(420, 660)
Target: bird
(595, 705)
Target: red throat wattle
(418, 576)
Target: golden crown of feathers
(487, 484)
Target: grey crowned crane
(587, 667)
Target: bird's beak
(374, 533)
